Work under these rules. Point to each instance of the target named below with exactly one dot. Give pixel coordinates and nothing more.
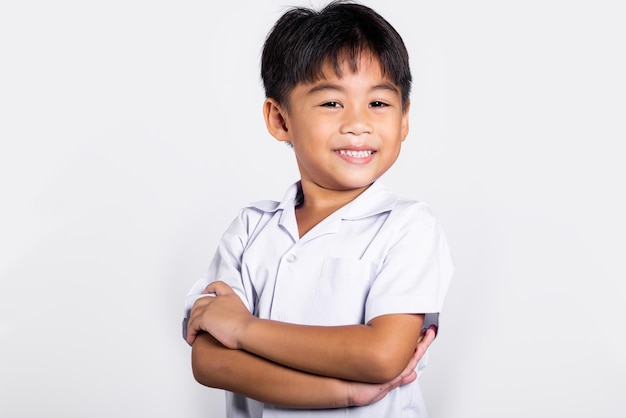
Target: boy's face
(346, 132)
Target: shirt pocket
(342, 290)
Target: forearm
(374, 353)
(238, 371)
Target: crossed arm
(301, 366)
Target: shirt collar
(374, 200)
(290, 198)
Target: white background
(131, 133)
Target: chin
(354, 185)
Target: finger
(194, 327)
(191, 333)
(219, 288)
(408, 378)
(193, 324)
(426, 340)
(415, 358)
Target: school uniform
(379, 254)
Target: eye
(378, 103)
(331, 104)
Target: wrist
(350, 390)
(245, 331)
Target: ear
(276, 120)
(405, 120)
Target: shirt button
(291, 258)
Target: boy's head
(304, 41)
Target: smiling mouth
(356, 154)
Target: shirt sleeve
(226, 265)
(416, 272)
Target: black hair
(303, 40)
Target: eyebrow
(336, 87)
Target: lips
(352, 156)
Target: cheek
(312, 135)
(303, 128)
(395, 134)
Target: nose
(356, 122)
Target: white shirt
(377, 255)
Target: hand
(360, 394)
(223, 316)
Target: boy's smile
(346, 131)
(356, 156)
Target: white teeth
(356, 154)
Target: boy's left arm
(414, 279)
(375, 352)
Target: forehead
(347, 64)
(362, 71)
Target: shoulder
(412, 207)
(398, 213)
(250, 216)
(379, 201)
(414, 223)
(412, 212)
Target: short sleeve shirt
(377, 255)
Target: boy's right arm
(241, 372)
(238, 371)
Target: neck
(317, 198)
(319, 202)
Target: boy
(319, 301)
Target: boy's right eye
(331, 104)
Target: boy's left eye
(378, 103)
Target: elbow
(198, 375)
(385, 365)
(203, 365)
(197, 366)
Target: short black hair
(303, 40)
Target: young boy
(319, 301)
